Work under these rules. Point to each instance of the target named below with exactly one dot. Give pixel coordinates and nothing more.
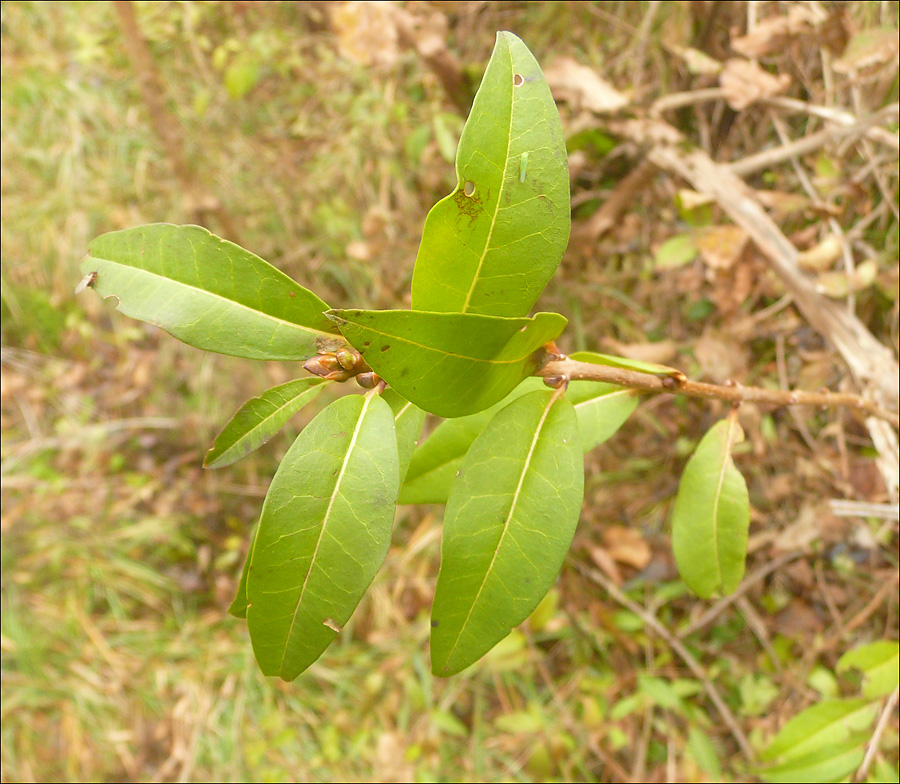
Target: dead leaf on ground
(869, 50)
(658, 353)
(367, 32)
(839, 284)
(719, 357)
(626, 545)
(606, 563)
(578, 84)
(721, 246)
(697, 62)
(774, 35)
(820, 257)
(744, 82)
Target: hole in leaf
(469, 188)
(518, 80)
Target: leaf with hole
(493, 244)
(880, 664)
(451, 364)
(208, 292)
(324, 532)
(711, 517)
(259, 419)
(509, 522)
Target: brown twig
(872, 745)
(676, 645)
(734, 393)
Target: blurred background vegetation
(318, 136)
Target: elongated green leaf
(324, 531)
(208, 292)
(436, 461)
(491, 245)
(259, 419)
(880, 664)
(712, 515)
(601, 409)
(408, 421)
(239, 606)
(510, 520)
(828, 763)
(627, 364)
(820, 743)
(451, 364)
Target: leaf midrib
(208, 293)
(506, 523)
(449, 353)
(726, 452)
(337, 486)
(487, 243)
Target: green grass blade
(711, 517)
(208, 292)
(259, 419)
(238, 607)
(451, 364)
(509, 523)
(324, 532)
(491, 246)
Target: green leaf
(509, 521)
(601, 409)
(676, 252)
(408, 421)
(712, 515)
(491, 246)
(704, 752)
(208, 292)
(627, 364)
(239, 606)
(259, 419)
(880, 664)
(324, 531)
(820, 726)
(451, 364)
(436, 462)
(828, 763)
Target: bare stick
(676, 645)
(872, 745)
(734, 393)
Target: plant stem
(732, 392)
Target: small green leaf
(704, 752)
(820, 726)
(408, 421)
(880, 664)
(627, 364)
(676, 252)
(491, 246)
(601, 409)
(324, 531)
(509, 522)
(711, 517)
(259, 419)
(239, 606)
(242, 75)
(436, 462)
(208, 292)
(451, 364)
